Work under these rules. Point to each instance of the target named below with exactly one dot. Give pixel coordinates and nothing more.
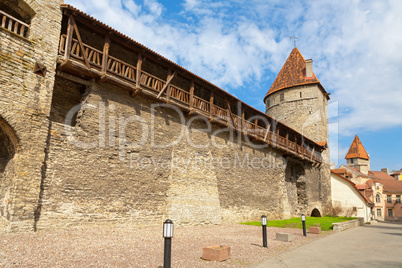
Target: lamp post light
(303, 218)
(167, 234)
(264, 230)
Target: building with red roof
(383, 190)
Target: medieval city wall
(24, 110)
(113, 166)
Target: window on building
(398, 199)
(377, 198)
(379, 212)
(351, 161)
(16, 16)
(268, 103)
(300, 94)
(389, 200)
(282, 96)
(390, 212)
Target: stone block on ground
(314, 230)
(216, 253)
(285, 237)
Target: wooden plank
(80, 42)
(139, 63)
(166, 85)
(69, 38)
(74, 78)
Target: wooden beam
(69, 38)
(230, 113)
(80, 42)
(74, 79)
(191, 95)
(168, 88)
(243, 120)
(266, 134)
(166, 85)
(211, 104)
(138, 76)
(105, 54)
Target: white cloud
(354, 44)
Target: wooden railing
(13, 24)
(121, 69)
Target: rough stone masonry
(78, 150)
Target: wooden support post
(287, 138)
(211, 105)
(191, 96)
(255, 126)
(243, 120)
(230, 114)
(69, 38)
(138, 76)
(167, 84)
(80, 42)
(312, 153)
(266, 133)
(105, 54)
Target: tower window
(282, 96)
(268, 103)
(300, 94)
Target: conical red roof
(357, 150)
(293, 73)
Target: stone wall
(130, 163)
(25, 106)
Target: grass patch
(324, 222)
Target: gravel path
(142, 247)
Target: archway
(8, 144)
(8, 149)
(315, 213)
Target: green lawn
(324, 222)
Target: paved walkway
(375, 245)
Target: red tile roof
(361, 186)
(393, 173)
(357, 150)
(379, 175)
(322, 143)
(394, 186)
(293, 73)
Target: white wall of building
(345, 194)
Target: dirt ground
(143, 247)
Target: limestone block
(216, 253)
(285, 237)
(314, 230)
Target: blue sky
(241, 45)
